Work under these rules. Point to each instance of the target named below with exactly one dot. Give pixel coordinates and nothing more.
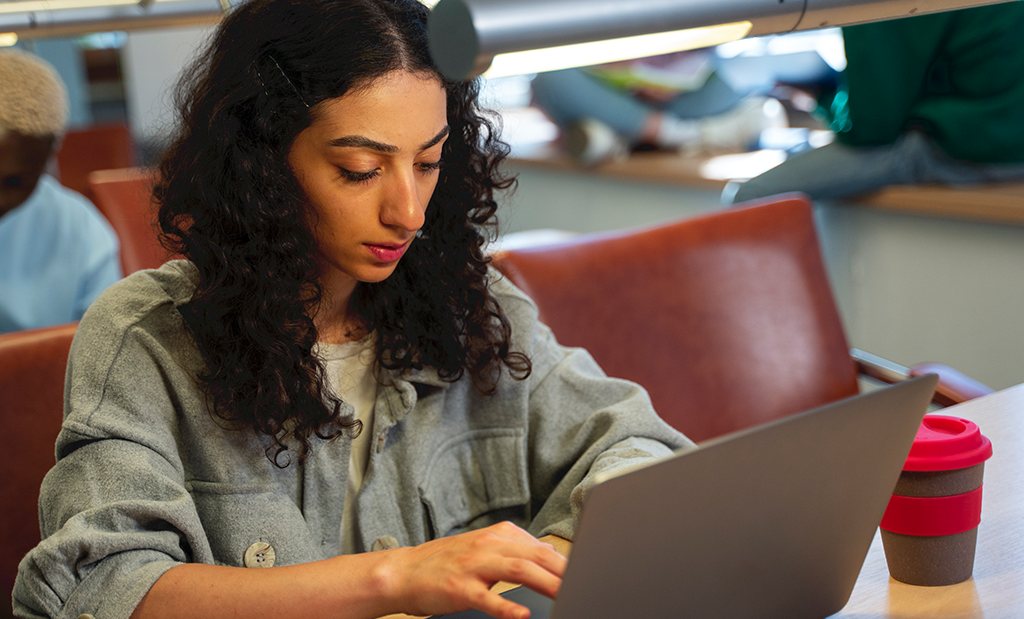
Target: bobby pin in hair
(290, 83)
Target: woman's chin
(376, 273)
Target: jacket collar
(400, 390)
(427, 376)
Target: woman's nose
(403, 206)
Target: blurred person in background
(931, 99)
(57, 253)
(676, 101)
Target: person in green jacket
(931, 99)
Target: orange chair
(32, 367)
(99, 147)
(125, 197)
(727, 319)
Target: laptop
(771, 521)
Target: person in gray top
(333, 383)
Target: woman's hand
(455, 573)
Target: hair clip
(263, 83)
(287, 79)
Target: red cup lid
(945, 443)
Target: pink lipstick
(387, 252)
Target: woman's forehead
(399, 104)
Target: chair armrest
(879, 368)
(954, 386)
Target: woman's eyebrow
(437, 138)
(359, 141)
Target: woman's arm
(440, 576)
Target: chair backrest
(32, 368)
(99, 147)
(727, 319)
(125, 197)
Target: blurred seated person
(57, 252)
(931, 99)
(672, 102)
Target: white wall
(587, 203)
(153, 59)
(929, 289)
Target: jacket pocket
(237, 516)
(477, 479)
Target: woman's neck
(335, 321)
(339, 332)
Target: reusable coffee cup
(930, 528)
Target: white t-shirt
(349, 375)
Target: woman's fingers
(497, 606)
(516, 556)
(551, 560)
(457, 572)
(525, 546)
(529, 574)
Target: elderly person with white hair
(57, 253)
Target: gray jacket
(146, 479)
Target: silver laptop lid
(773, 521)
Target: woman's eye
(427, 167)
(358, 177)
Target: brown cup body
(933, 560)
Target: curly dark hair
(229, 202)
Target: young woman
(333, 384)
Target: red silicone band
(931, 516)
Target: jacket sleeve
(581, 422)
(889, 65)
(114, 511)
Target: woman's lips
(387, 252)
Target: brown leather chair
(727, 319)
(98, 147)
(32, 367)
(125, 197)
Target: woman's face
(368, 165)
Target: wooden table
(997, 589)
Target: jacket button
(385, 542)
(86, 616)
(259, 554)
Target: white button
(385, 542)
(259, 554)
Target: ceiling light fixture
(612, 50)
(469, 36)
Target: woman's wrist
(385, 578)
